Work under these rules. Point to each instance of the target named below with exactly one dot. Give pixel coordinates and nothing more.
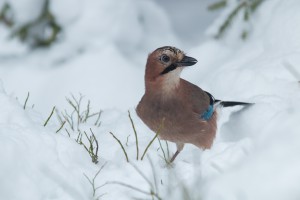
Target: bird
(177, 110)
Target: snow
(21, 17)
(256, 151)
(35, 163)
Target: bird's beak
(187, 61)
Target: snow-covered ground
(102, 54)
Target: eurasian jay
(176, 109)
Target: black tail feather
(232, 103)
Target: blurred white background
(247, 50)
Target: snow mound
(255, 153)
(37, 164)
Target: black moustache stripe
(168, 69)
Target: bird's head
(165, 64)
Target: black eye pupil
(165, 58)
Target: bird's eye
(165, 58)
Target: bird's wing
(196, 98)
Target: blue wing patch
(208, 113)
(210, 110)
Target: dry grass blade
(79, 138)
(79, 115)
(92, 181)
(129, 186)
(68, 132)
(69, 119)
(98, 122)
(97, 146)
(142, 175)
(134, 188)
(62, 125)
(217, 5)
(168, 151)
(46, 122)
(150, 143)
(91, 149)
(162, 149)
(75, 118)
(135, 134)
(154, 174)
(124, 151)
(165, 157)
(26, 100)
(87, 112)
(127, 140)
(292, 69)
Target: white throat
(171, 81)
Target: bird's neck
(170, 84)
(164, 88)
